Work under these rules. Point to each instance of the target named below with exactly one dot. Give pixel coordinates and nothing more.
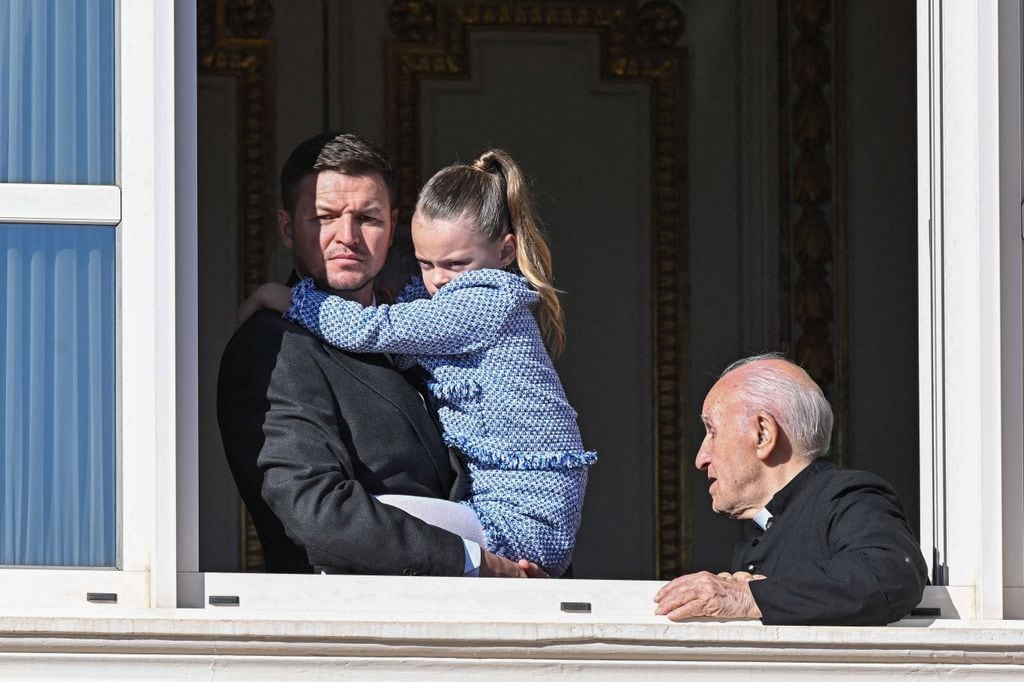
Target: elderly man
(835, 547)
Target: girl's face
(447, 248)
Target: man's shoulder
(267, 333)
(839, 488)
(268, 342)
(840, 477)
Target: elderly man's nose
(703, 459)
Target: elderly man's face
(729, 453)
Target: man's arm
(875, 574)
(706, 595)
(309, 478)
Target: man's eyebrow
(370, 207)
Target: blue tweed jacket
(497, 396)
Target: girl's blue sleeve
(461, 318)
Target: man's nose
(703, 460)
(345, 231)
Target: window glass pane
(57, 420)
(57, 91)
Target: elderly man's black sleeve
(869, 572)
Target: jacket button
(752, 568)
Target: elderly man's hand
(726, 595)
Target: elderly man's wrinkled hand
(706, 595)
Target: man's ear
(767, 436)
(394, 226)
(508, 249)
(284, 223)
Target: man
(835, 549)
(313, 433)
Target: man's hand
(494, 566)
(726, 595)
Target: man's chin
(348, 286)
(726, 511)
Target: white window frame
(971, 326)
(151, 222)
(970, 307)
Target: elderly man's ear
(767, 435)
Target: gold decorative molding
(231, 37)
(637, 44)
(812, 263)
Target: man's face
(340, 231)
(729, 454)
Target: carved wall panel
(232, 40)
(638, 43)
(812, 158)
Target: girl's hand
(532, 570)
(271, 295)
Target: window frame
(143, 210)
(970, 311)
(970, 302)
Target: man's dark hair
(340, 152)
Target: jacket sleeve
(309, 477)
(874, 575)
(465, 316)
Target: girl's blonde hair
(493, 191)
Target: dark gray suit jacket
(311, 434)
(839, 552)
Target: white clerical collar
(763, 519)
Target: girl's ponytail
(533, 257)
(494, 190)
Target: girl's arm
(463, 317)
(271, 295)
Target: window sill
(437, 626)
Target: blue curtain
(57, 91)
(57, 413)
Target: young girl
(478, 322)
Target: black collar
(781, 500)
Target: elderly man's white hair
(800, 409)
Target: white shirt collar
(763, 519)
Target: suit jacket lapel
(379, 375)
